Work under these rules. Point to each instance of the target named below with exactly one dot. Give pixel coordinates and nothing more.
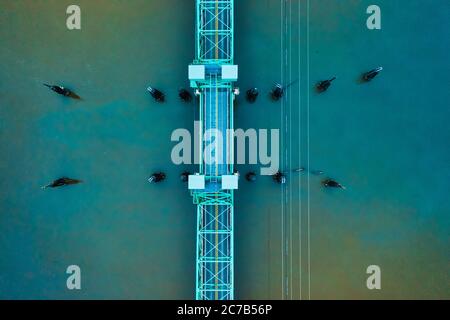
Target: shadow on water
(360, 79)
(75, 96)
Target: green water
(387, 141)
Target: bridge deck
(215, 208)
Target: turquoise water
(387, 141)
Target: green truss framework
(215, 209)
(218, 285)
(215, 29)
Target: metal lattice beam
(214, 243)
(215, 31)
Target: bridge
(212, 76)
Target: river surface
(387, 141)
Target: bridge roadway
(214, 279)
